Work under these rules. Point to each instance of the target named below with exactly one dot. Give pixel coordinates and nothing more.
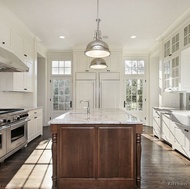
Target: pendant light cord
(97, 9)
(98, 35)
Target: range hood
(9, 62)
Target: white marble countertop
(97, 116)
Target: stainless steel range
(13, 131)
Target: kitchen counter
(96, 116)
(100, 150)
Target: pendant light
(98, 63)
(97, 48)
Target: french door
(61, 97)
(135, 97)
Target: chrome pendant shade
(97, 48)
(98, 63)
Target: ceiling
(75, 19)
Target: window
(61, 94)
(61, 67)
(134, 94)
(133, 67)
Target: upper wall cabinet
(176, 73)
(23, 47)
(5, 35)
(171, 46)
(186, 35)
(16, 42)
(82, 62)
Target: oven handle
(17, 124)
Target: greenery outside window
(134, 95)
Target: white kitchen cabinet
(18, 44)
(109, 90)
(156, 123)
(176, 73)
(17, 81)
(186, 35)
(182, 139)
(35, 124)
(23, 47)
(171, 45)
(167, 128)
(101, 89)
(6, 35)
(85, 89)
(171, 74)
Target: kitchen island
(100, 150)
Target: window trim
(59, 60)
(134, 59)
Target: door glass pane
(134, 94)
(61, 94)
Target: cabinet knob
(3, 42)
(25, 55)
(25, 89)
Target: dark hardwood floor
(162, 168)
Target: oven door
(3, 146)
(16, 135)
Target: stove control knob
(3, 120)
(17, 117)
(8, 121)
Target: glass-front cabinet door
(166, 72)
(171, 74)
(187, 35)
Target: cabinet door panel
(77, 152)
(109, 94)
(85, 90)
(115, 152)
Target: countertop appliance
(13, 131)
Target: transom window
(61, 67)
(133, 67)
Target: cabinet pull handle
(186, 130)
(3, 42)
(35, 117)
(124, 104)
(25, 89)
(71, 104)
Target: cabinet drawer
(36, 112)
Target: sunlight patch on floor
(36, 172)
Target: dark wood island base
(96, 156)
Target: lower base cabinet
(96, 156)
(177, 135)
(182, 139)
(35, 124)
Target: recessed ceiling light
(62, 37)
(133, 37)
